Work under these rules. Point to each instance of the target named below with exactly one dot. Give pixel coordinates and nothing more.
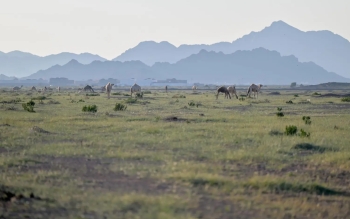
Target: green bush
(130, 100)
(289, 102)
(120, 107)
(345, 99)
(291, 130)
(296, 95)
(315, 93)
(179, 96)
(39, 98)
(191, 103)
(90, 108)
(304, 134)
(139, 95)
(280, 114)
(117, 93)
(307, 120)
(92, 95)
(29, 106)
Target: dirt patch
(37, 129)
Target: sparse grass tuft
(291, 130)
(130, 100)
(120, 107)
(29, 106)
(345, 99)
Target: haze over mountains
(279, 54)
(326, 49)
(20, 64)
(242, 67)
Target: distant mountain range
(22, 64)
(242, 67)
(324, 48)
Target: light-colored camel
(194, 87)
(255, 89)
(108, 89)
(224, 90)
(58, 89)
(103, 88)
(17, 88)
(135, 89)
(232, 90)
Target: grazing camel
(232, 90)
(194, 87)
(135, 88)
(166, 89)
(224, 90)
(33, 89)
(17, 88)
(59, 89)
(108, 89)
(88, 88)
(255, 89)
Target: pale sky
(109, 27)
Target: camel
(166, 89)
(254, 88)
(108, 89)
(135, 88)
(224, 90)
(33, 89)
(232, 90)
(17, 88)
(103, 88)
(194, 87)
(86, 88)
(59, 89)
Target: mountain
(23, 64)
(324, 48)
(4, 77)
(96, 70)
(242, 67)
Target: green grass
(223, 159)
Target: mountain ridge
(323, 47)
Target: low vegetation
(90, 108)
(154, 158)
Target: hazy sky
(109, 27)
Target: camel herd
(227, 91)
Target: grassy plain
(218, 159)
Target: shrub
(29, 106)
(39, 98)
(139, 95)
(315, 93)
(289, 102)
(280, 114)
(291, 130)
(92, 95)
(126, 95)
(296, 95)
(304, 134)
(241, 99)
(191, 103)
(147, 92)
(130, 100)
(120, 107)
(307, 120)
(179, 96)
(117, 93)
(345, 99)
(90, 108)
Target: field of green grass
(164, 157)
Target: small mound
(4, 125)
(39, 130)
(174, 119)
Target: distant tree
(293, 84)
